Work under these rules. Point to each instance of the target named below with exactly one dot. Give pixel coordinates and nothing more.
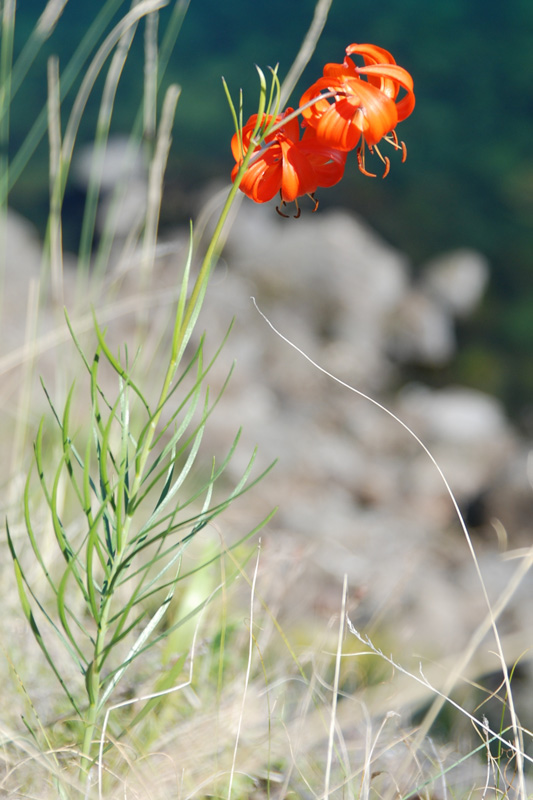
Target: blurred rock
(457, 280)
(422, 331)
(118, 161)
(467, 432)
(353, 485)
(456, 414)
(121, 169)
(22, 261)
(357, 493)
(330, 274)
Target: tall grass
(127, 667)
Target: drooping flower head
(360, 103)
(349, 107)
(283, 162)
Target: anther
(361, 164)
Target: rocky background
(357, 494)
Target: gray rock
(457, 280)
(421, 331)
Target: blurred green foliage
(468, 180)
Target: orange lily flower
(285, 163)
(360, 102)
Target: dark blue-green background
(468, 179)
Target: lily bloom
(285, 163)
(357, 103)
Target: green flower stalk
(127, 470)
(124, 495)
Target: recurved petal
(337, 127)
(347, 68)
(262, 179)
(298, 177)
(327, 163)
(246, 134)
(392, 77)
(328, 171)
(321, 105)
(379, 113)
(290, 129)
(371, 53)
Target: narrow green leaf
(69, 76)
(76, 340)
(182, 297)
(91, 548)
(88, 490)
(177, 454)
(28, 613)
(196, 524)
(117, 366)
(138, 645)
(122, 495)
(236, 125)
(68, 448)
(165, 682)
(31, 534)
(62, 611)
(198, 433)
(62, 540)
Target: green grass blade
(122, 499)
(195, 523)
(36, 39)
(148, 485)
(117, 366)
(138, 644)
(103, 125)
(165, 682)
(62, 610)
(68, 78)
(156, 174)
(181, 405)
(68, 448)
(92, 73)
(28, 613)
(172, 29)
(31, 534)
(236, 119)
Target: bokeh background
(468, 180)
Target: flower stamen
(384, 159)
(285, 216)
(360, 153)
(283, 204)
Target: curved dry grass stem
(517, 745)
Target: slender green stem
(93, 685)
(184, 323)
(185, 319)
